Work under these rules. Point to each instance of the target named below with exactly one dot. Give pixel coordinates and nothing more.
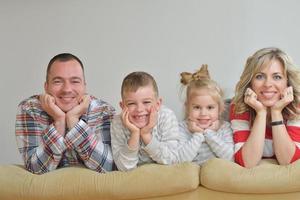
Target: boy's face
(139, 104)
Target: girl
(205, 135)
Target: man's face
(66, 84)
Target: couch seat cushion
(80, 183)
(267, 177)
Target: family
(65, 126)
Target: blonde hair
(133, 81)
(201, 80)
(254, 65)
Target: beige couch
(216, 179)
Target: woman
(265, 112)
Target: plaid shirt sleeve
(90, 138)
(40, 147)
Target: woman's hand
(286, 98)
(251, 100)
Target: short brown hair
(63, 57)
(133, 81)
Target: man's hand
(72, 116)
(49, 106)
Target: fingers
(288, 92)
(249, 93)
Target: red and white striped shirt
(240, 124)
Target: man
(64, 126)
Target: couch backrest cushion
(267, 177)
(74, 183)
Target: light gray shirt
(161, 149)
(200, 147)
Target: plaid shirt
(44, 149)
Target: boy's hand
(287, 97)
(125, 119)
(72, 116)
(49, 106)
(193, 126)
(251, 100)
(146, 131)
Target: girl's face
(269, 83)
(202, 108)
(139, 104)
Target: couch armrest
(74, 183)
(267, 177)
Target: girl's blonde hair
(201, 80)
(254, 64)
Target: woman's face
(269, 83)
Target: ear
(158, 103)
(122, 105)
(46, 87)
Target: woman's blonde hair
(254, 65)
(201, 80)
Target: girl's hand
(193, 126)
(215, 125)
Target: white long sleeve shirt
(200, 147)
(161, 149)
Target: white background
(115, 37)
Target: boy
(145, 131)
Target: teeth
(268, 95)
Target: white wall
(115, 37)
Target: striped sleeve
(293, 129)
(40, 148)
(241, 131)
(221, 142)
(163, 148)
(190, 143)
(125, 158)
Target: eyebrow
(73, 77)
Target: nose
(203, 112)
(67, 86)
(140, 107)
(268, 82)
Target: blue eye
(259, 76)
(277, 77)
